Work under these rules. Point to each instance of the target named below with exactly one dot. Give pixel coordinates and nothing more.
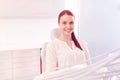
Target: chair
(42, 57)
(55, 33)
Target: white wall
(25, 33)
(100, 25)
(30, 8)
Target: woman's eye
(72, 22)
(64, 22)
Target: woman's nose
(68, 25)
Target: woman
(65, 51)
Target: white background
(100, 25)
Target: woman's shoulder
(82, 41)
(53, 43)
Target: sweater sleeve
(51, 59)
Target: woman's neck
(65, 38)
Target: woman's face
(66, 24)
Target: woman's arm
(51, 58)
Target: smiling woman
(65, 50)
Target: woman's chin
(68, 34)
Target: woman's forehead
(66, 18)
